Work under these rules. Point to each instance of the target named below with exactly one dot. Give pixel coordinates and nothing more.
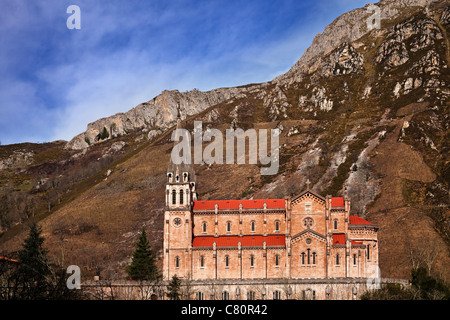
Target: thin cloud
(56, 81)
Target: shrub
(104, 135)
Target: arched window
(199, 295)
(202, 261)
(309, 294)
(354, 259)
(251, 295)
(337, 259)
(314, 258)
(303, 258)
(335, 224)
(368, 252)
(277, 225)
(252, 260)
(177, 262)
(277, 260)
(204, 227)
(181, 196)
(228, 226)
(276, 295)
(225, 295)
(227, 261)
(253, 226)
(309, 255)
(174, 196)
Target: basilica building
(297, 247)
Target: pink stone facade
(304, 246)
(305, 237)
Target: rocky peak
(335, 52)
(153, 116)
(348, 27)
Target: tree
(423, 287)
(430, 288)
(424, 255)
(34, 266)
(34, 277)
(104, 135)
(143, 266)
(174, 288)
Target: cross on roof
(307, 184)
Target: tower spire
(181, 180)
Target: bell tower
(180, 187)
(178, 225)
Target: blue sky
(54, 81)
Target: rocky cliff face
(17, 159)
(348, 27)
(154, 116)
(157, 115)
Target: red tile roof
(8, 259)
(234, 204)
(246, 241)
(337, 202)
(339, 238)
(358, 220)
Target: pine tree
(34, 266)
(143, 266)
(174, 288)
(35, 277)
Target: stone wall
(257, 289)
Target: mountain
(362, 112)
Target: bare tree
(261, 290)
(424, 254)
(187, 288)
(147, 289)
(212, 291)
(287, 289)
